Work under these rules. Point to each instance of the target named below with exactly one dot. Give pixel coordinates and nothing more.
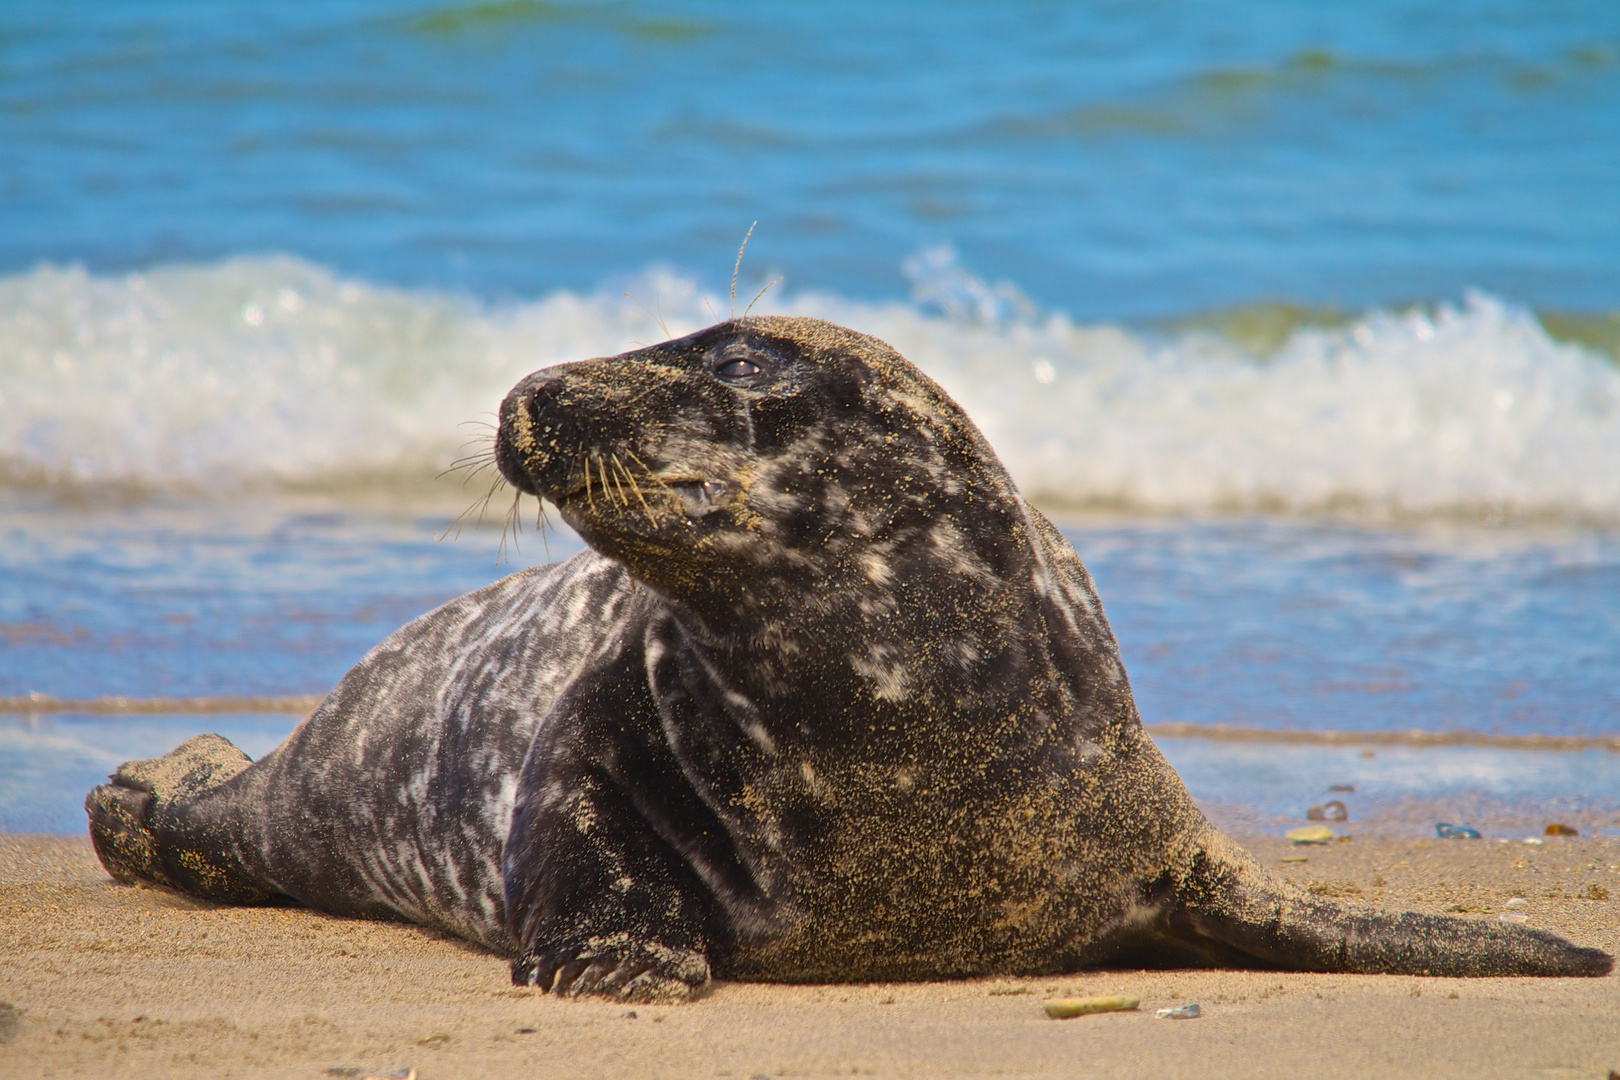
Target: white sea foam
(271, 370)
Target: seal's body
(828, 700)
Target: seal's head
(762, 464)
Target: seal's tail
(134, 819)
(1229, 905)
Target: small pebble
(1513, 916)
(1557, 829)
(1063, 1008)
(1516, 902)
(1296, 858)
(1328, 811)
(1447, 831)
(1310, 834)
(1184, 1012)
(1536, 840)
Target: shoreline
(108, 980)
(304, 704)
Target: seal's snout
(547, 422)
(558, 421)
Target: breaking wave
(270, 371)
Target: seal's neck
(935, 614)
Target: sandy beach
(103, 980)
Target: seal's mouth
(594, 492)
(700, 496)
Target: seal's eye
(743, 365)
(738, 369)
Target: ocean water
(1292, 625)
(1113, 160)
(1302, 319)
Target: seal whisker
(646, 470)
(736, 266)
(610, 481)
(624, 500)
(542, 525)
(635, 488)
(515, 524)
(648, 475)
(607, 480)
(637, 398)
(657, 318)
(481, 458)
(486, 454)
(472, 465)
(759, 294)
(481, 505)
(603, 479)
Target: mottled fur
(827, 701)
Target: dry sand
(108, 981)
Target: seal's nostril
(515, 442)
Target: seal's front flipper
(620, 969)
(598, 903)
(602, 894)
(139, 826)
(1229, 902)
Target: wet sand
(109, 981)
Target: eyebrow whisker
(759, 294)
(738, 266)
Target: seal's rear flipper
(132, 819)
(1230, 903)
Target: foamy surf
(271, 371)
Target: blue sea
(1303, 320)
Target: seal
(825, 700)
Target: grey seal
(826, 700)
